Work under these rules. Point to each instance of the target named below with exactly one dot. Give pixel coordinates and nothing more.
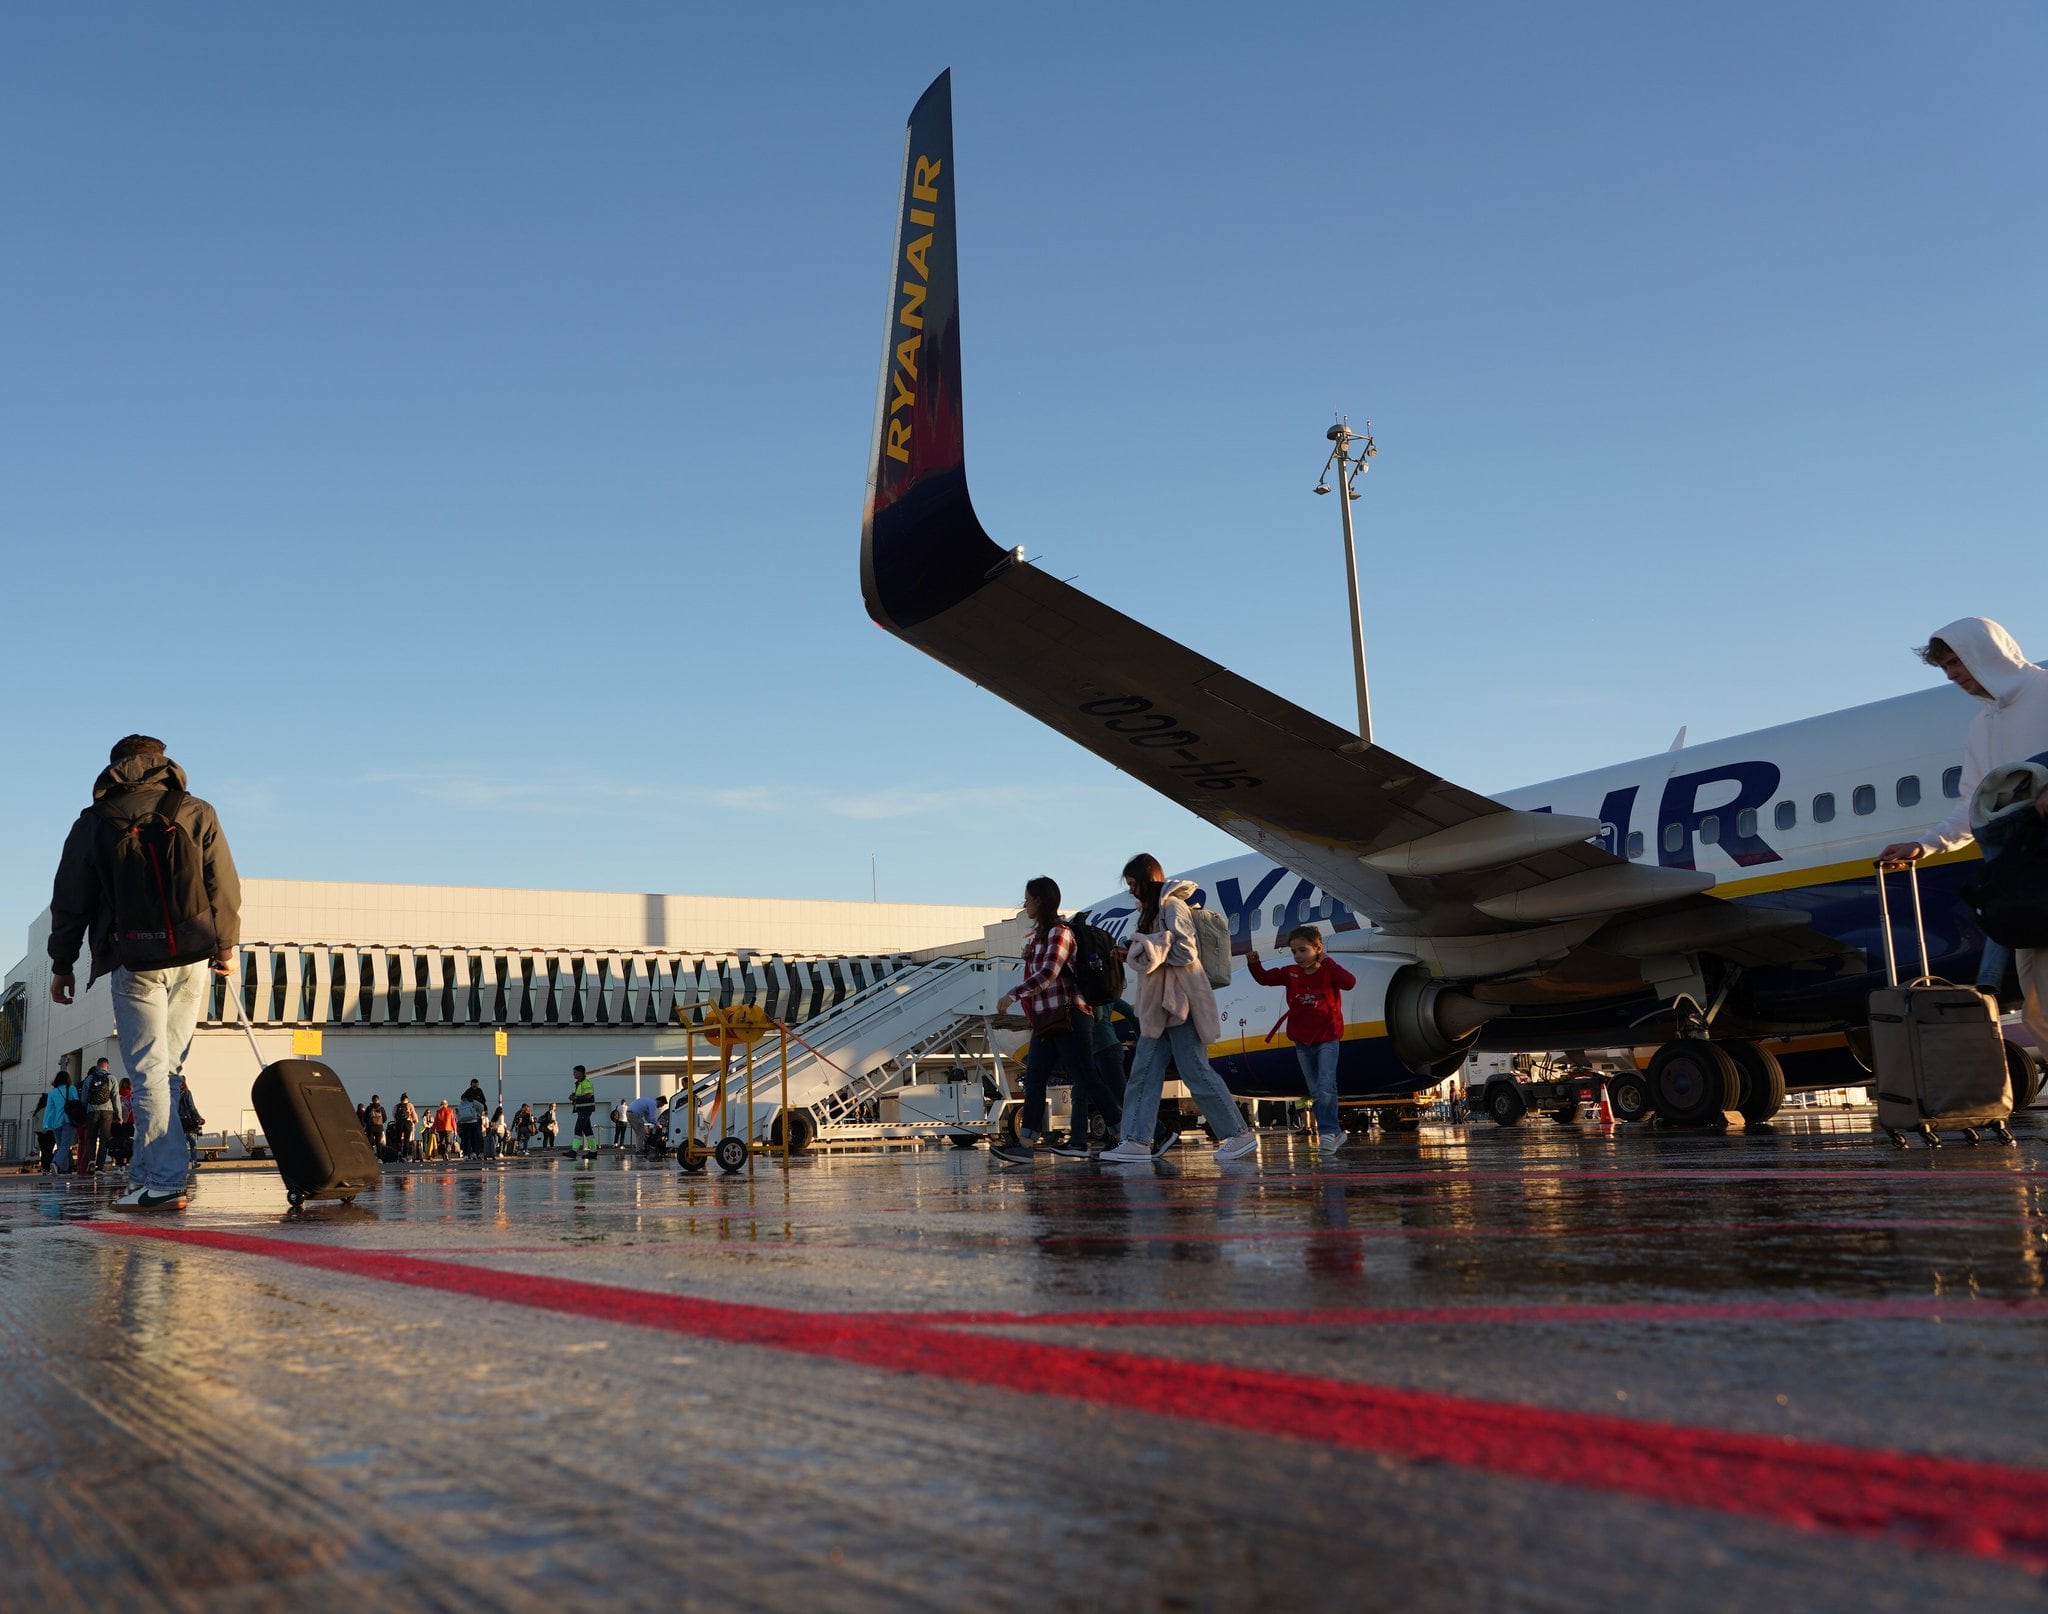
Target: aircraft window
(1635, 843)
(1745, 823)
(1785, 814)
(1952, 782)
(1824, 808)
(1279, 917)
(1710, 830)
(1674, 837)
(1907, 792)
(1864, 801)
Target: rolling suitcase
(1937, 1058)
(310, 1125)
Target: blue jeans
(1191, 1063)
(155, 1014)
(1319, 1071)
(67, 1146)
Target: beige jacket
(1168, 983)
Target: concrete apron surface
(1469, 1368)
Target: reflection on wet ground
(1523, 1368)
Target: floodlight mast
(1350, 467)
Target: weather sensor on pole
(1350, 467)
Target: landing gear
(1693, 1082)
(1760, 1093)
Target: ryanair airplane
(1717, 902)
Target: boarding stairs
(871, 1045)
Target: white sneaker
(1331, 1142)
(1128, 1153)
(1237, 1148)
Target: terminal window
(1785, 814)
(1824, 808)
(1907, 792)
(1864, 801)
(1952, 782)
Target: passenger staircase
(869, 1045)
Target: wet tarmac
(1470, 1368)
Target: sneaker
(1245, 1143)
(1072, 1151)
(141, 1199)
(1331, 1142)
(1128, 1153)
(1012, 1154)
(1164, 1142)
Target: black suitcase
(311, 1126)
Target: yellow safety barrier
(741, 1027)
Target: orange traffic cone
(1606, 1109)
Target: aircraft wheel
(730, 1154)
(2026, 1075)
(802, 1129)
(1760, 1091)
(1629, 1096)
(1504, 1102)
(1692, 1081)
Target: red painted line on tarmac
(1989, 1510)
(1954, 1309)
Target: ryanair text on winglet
(910, 318)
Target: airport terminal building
(408, 985)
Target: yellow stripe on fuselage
(1826, 874)
(1248, 1044)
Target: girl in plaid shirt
(1053, 1008)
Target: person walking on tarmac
(1052, 1006)
(1177, 1019)
(147, 879)
(1980, 658)
(583, 1100)
(1315, 1022)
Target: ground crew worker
(583, 1100)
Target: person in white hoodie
(1980, 658)
(1177, 1020)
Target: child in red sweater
(1315, 1021)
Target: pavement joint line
(1981, 1509)
(1956, 1309)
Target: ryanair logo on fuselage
(910, 315)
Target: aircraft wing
(1485, 889)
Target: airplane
(1710, 900)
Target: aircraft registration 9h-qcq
(1709, 901)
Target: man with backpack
(96, 1147)
(147, 880)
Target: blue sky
(446, 424)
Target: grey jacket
(78, 904)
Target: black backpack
(2010, 895)
(189, 1117)
(155, 881)
(99, 1091)
(1098, 973)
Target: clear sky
(446, 424)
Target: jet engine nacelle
(1431, 1024)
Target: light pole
(1350, 467)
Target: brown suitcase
(1937, 1057)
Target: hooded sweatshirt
(124, 791)
(2012, 724)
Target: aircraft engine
(1432, 1024)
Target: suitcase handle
(234, 996)
(1884, 908)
